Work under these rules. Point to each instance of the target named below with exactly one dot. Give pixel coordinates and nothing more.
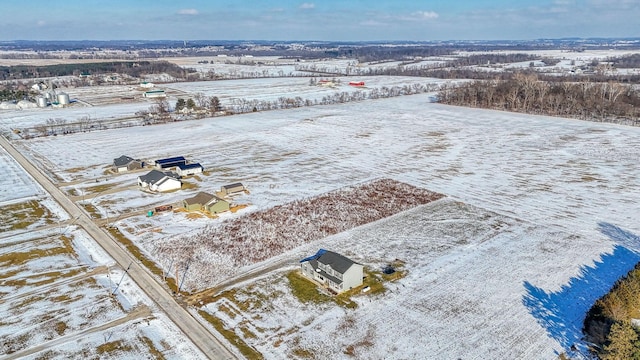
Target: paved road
(192, 328)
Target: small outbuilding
(170, 162)
(232, 189)
(126, 163)
(332, 270)
(189, 169)
(203, 201)
(158, 181)
(155, 94)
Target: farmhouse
(125, 163)
(232, 189)
(332, 270)
(158, 181)
(189, 169)
(170, 162)
(206, 202)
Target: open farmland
(216, 251)
(512, 260)
(16, 184)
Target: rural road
(191, 327)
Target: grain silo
(41, 101)
(63, 99)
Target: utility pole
(122, 278)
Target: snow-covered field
(560, 193)
(16, 183)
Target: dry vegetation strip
(19, 216)
(263, 234)
(231, 336)
(135, 251)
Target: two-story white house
(336, 272)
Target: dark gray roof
(314, 264)
(189, 166)
(337, 262)
(200, 198)
(171, 160)
(122, 161)
(154, 176)
(231, 186)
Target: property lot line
(193, 329)
(45, 288)
(141, 311)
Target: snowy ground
(564, 189)
(16, 183)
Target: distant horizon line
(637, 38)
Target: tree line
(131, 68)
(526, 93)
(608, 323)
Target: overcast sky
(343, 20)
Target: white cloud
(426, 14)
(188, 12)
(307, 6)
(41, 23)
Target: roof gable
(155, 176)
(337, 262)
(201, 198)
(122, 160)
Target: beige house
(203, 201)
(332, 270)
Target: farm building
(332, 270)
(206, 202)
(126, 163)
(189, 169)
(232, 189)
(154, 94)
(158, 181)
(356, 83)
(170, 162)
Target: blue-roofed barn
(170, 162)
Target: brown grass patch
(114, 346)
(19, 216)
(155, 353)
(246, 350)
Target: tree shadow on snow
(562, 312)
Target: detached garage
(189, 169)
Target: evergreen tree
(180, 104)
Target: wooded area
(608, 322)
(131, 68)
(585, 100)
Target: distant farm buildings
(332, 270)
(158, 181)
(154, 94)
(206, 202)
(356, 83)
(126, 163)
